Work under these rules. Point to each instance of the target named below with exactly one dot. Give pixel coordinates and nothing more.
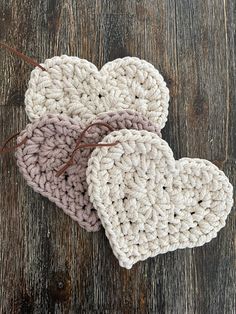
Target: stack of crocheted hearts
(51, 141)
(119, 173)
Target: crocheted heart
(148, 202)
(50, 142)
(75, 87)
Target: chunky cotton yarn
(149, 203)
(49, 145)
(75, 87)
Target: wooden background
(47, 263)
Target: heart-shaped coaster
(50, 143)
(149, 203)
(75, 87)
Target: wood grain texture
(47, 263)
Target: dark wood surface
(47, 263)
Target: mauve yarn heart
(50, 143)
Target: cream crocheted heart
(149, 203)
(75, 87)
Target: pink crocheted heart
(50, 143)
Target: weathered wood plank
(47, 263)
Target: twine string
(5, 149)
(22, 56)
(78, 146)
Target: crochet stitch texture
(149, 203)
(75, 87)
(50, 142)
